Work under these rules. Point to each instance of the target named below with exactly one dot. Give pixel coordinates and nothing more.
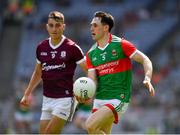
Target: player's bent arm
(83, 66)
(92, 75)
(148, 69)
(35, 79)
(145, 61)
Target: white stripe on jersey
(83, 59)
(133, 53)
(91, 69)
(79, 48)
(38, 61)
(80, 61)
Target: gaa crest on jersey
(63, 54)
(114, 53)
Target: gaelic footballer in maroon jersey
(57, 58)
(58, 66)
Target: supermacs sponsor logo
(107, 65)
(52, 67)
(107, 68)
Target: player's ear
(64, 25)
(106, 27)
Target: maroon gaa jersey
(58, 66)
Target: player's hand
(25, 101)
(83, 100)
(147, 83)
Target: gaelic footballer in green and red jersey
(113, 67)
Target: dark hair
(57, 16)
(106, 18)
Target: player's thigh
(43, 125)
(100, 118)
(55, 125)
(44, 120)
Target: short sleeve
(88, 62)
(128, 48)
(78, 54)
(38, 55)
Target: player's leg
(100, 122)
(44, 121)
(81, 116)
(45, 115)
(79, 122)
(43, 125)
(62, 111)
(55, 125)
(107, 127)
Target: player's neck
(55, 41)
(104, 40)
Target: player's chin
(55, 36)
(93, 37)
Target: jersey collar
(109, 41)
(54, 47)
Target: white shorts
(63, 108)
(117, 106)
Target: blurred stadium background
(152, 25)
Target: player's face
(97, 29)
(55, 29)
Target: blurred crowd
(152, 25)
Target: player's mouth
(93, 34)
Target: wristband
(146, 79)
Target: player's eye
(52, 25)
(94, 25)
(57, 25)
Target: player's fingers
(147, 84)
(79, 99)
(152, 91)
(89, 101)
(149, 87)
(24, 102)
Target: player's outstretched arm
(35, 80)
(148, 69)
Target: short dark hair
(106, 18)
(57, 16)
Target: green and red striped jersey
(113, 67)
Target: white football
(84, 87)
